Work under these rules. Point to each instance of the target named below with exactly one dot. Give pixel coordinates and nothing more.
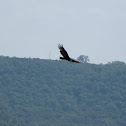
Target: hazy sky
(33, 28)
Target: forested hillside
(37, 92)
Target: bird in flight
(65, 54)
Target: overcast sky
(33, 28)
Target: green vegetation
(36, 92)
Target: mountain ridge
(37, 92)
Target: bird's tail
(75, 61)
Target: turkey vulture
(65, 54)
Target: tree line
(38, 92)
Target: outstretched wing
(63, 51)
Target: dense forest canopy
(37, 92)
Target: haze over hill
(37, 92)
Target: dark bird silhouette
(65, 54)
